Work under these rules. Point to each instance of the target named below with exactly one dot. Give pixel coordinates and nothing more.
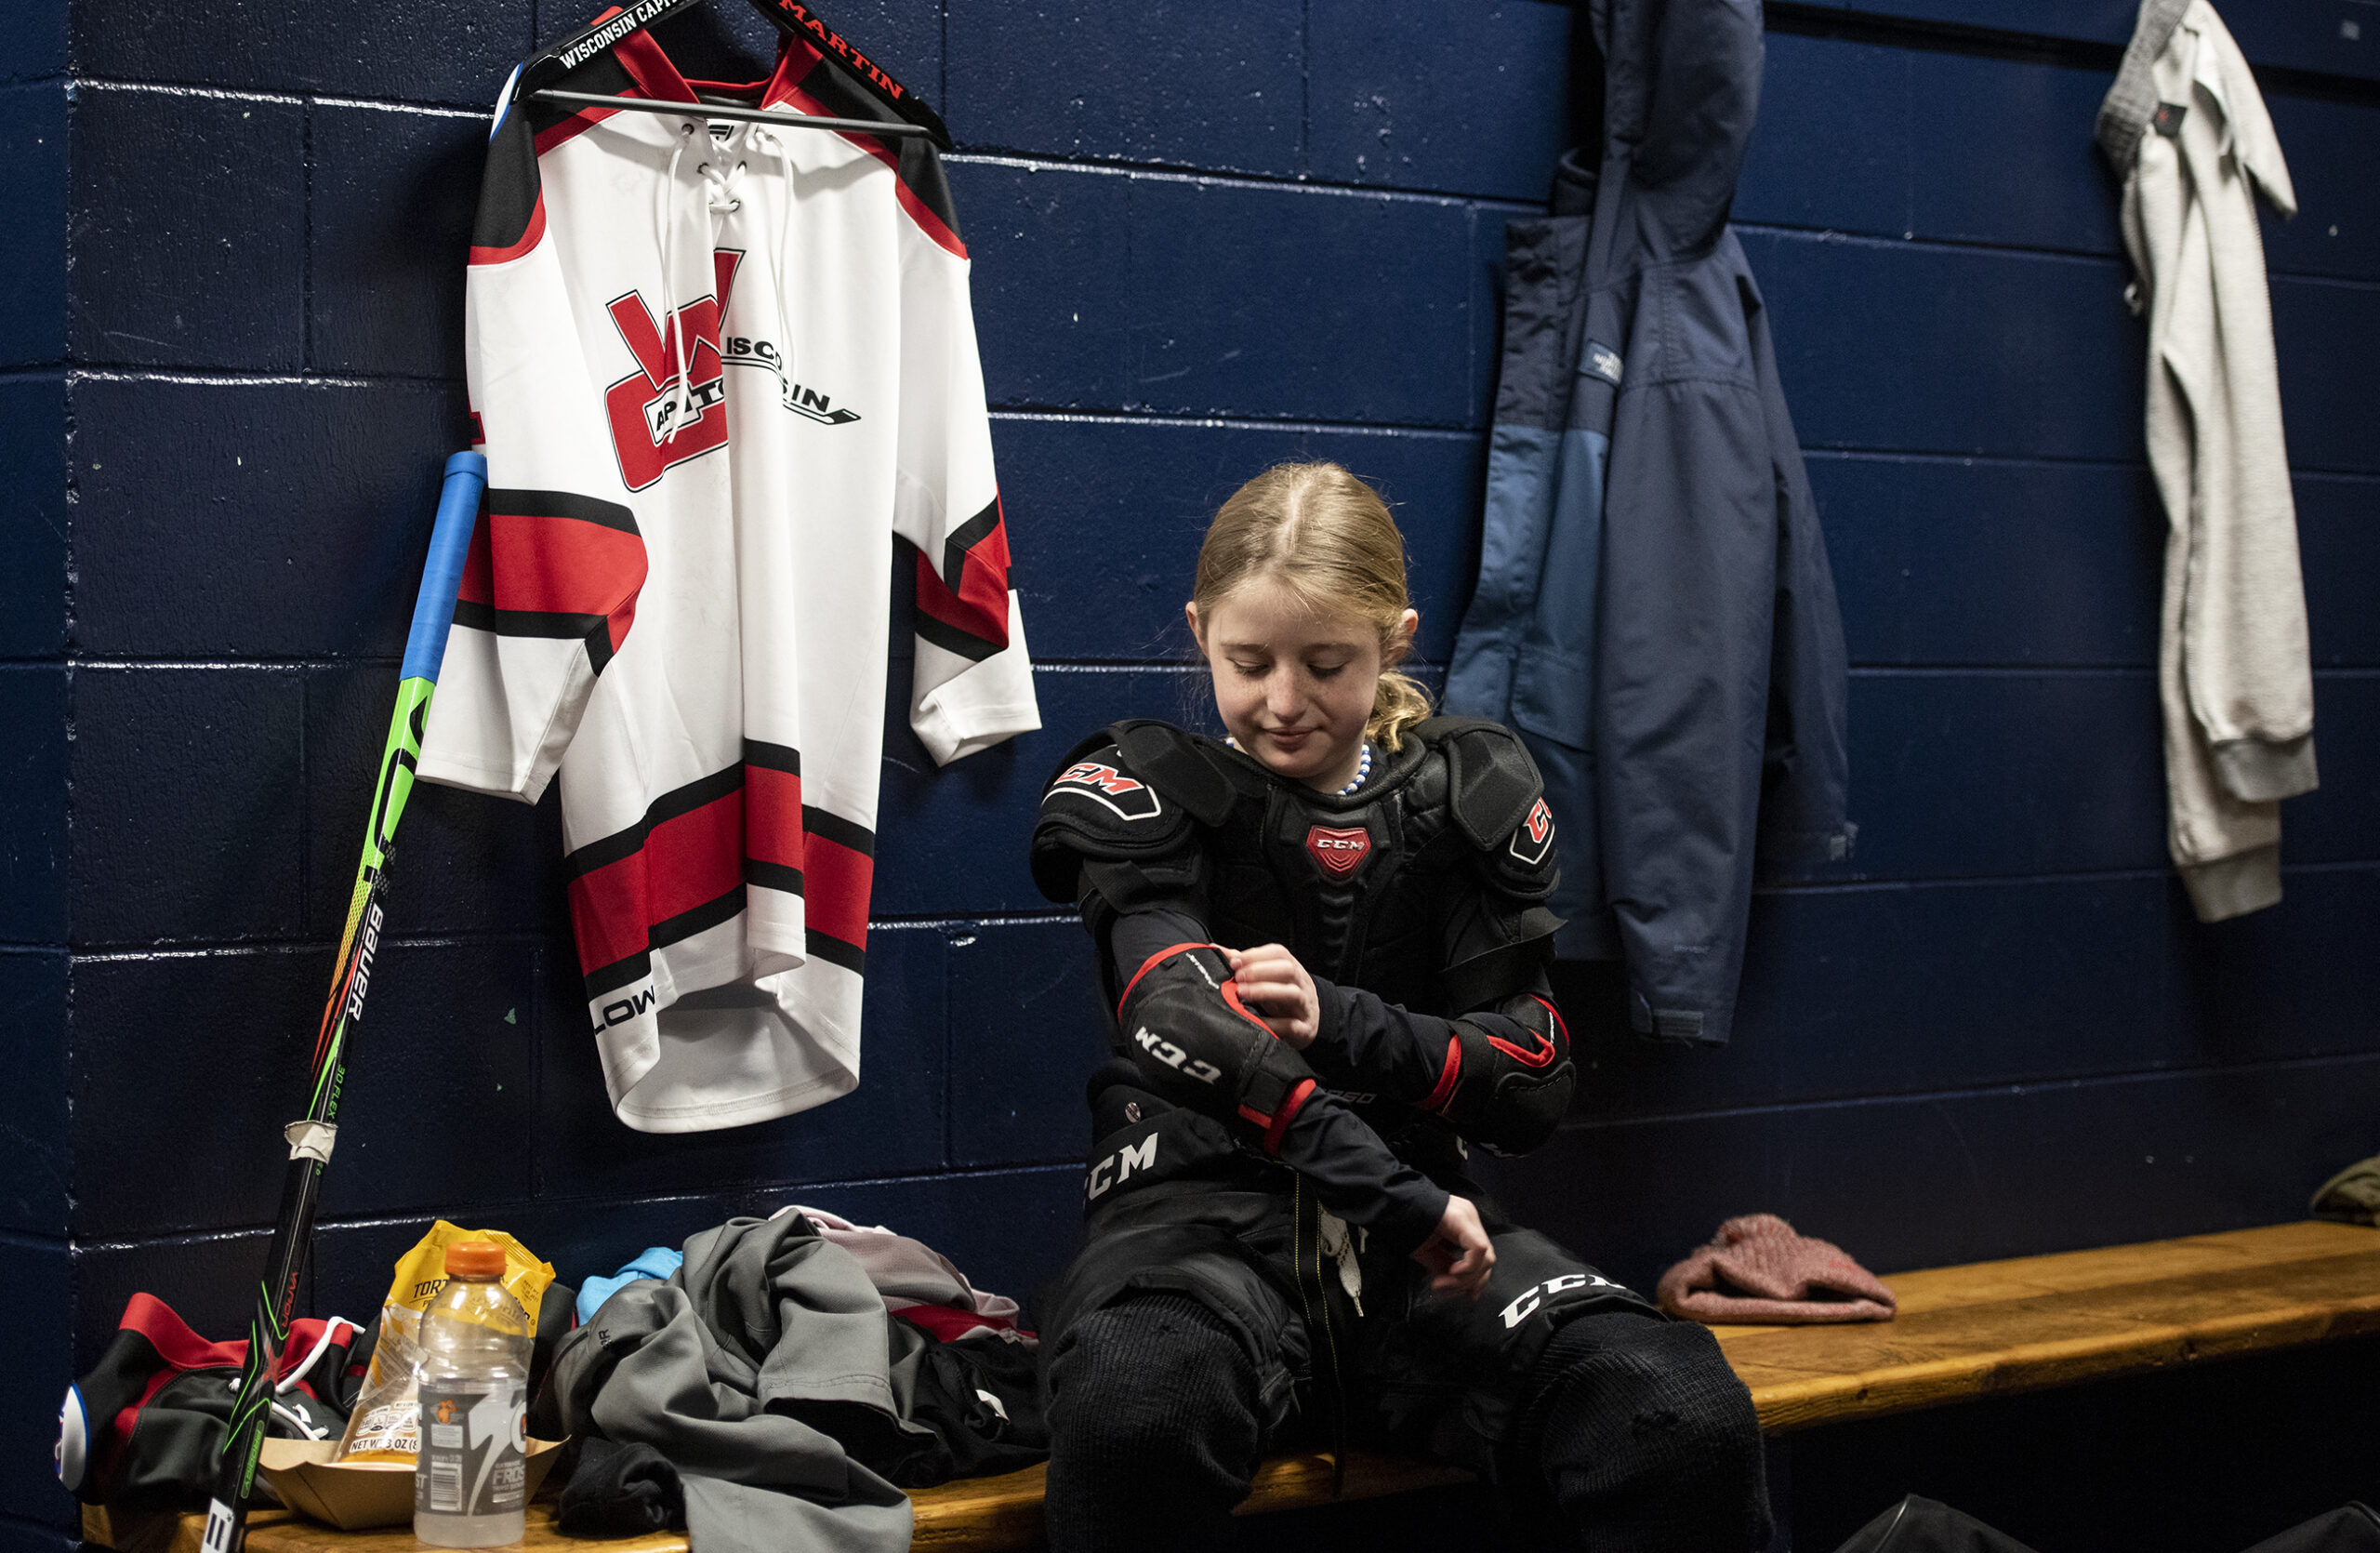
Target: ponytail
(1399, 703)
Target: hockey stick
(311, 1140)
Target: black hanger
(795, 18)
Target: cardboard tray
(357, 1494)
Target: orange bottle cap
(475, 1259)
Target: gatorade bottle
(469, 1485)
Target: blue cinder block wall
(1206, 238)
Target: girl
(1325, 942)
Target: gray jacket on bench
(749, 1370)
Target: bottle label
(474, 1448)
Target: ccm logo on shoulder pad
(1128, 796)
(1535, 837)
(1175, 1056)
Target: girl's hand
(1273, 984)
(1458, 1250)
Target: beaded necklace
(1362, 770)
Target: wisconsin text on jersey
(683, 422)
(736, 351)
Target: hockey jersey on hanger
(716, 369)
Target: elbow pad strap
(1506, 1097)
(1183, 1025)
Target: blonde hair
(1327, 536)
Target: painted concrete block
(450, 51)
(2000, 151)
(1929, 349)
(2336, 231)
(393, 198)
(1220, 88)
(2327, 335)
(31, 1384)
(1052, 281)
(437, 1099)
(33, 1106)
(1027, 1029)
(34, 702)
(255, 520)
(33, 522)
(188, 805)
(35, 47)
(1831, 148)
(2309, 35)
(1412, 98)
(2082, 21)
(1965, 774)
(1184, 296)
(2338, 541)
(1299, 303)
(186, 215)
(2339, 822)
(1104, 522)
(1944, 561)
(33, 244)
(1910, 989)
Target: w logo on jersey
(651, 426)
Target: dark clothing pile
(1654, 613)
(786, 1407)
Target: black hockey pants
(1629, 1434)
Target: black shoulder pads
(1499, 802)
(1177, 763)
(1492, 781)
(1100, 806)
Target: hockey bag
(143, 1429)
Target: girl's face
(1294, 687)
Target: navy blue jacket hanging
(1655, 614)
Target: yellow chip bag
(386, 1423)
(422, 1272)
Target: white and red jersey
(678, 591)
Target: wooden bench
(1975, 1331)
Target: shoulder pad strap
(1098, 807)
(1492, 783)
(1176, 761)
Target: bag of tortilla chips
(386, 1423)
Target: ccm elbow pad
(1503, 1095)
(1185, 1028)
